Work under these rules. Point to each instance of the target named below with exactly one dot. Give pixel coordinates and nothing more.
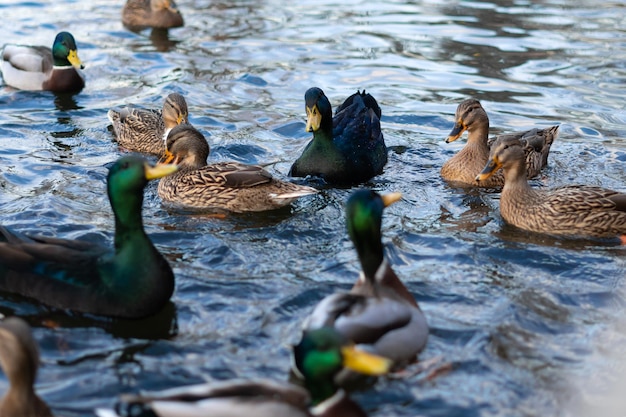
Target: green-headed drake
(468, 162)
(574, 210)
(379, 311)
(221, 186)
(143, 130)
(41, 68)
(346, 149)
(19, 358)
(320, 355)
(132, 280)
(158, 14)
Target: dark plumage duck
(346, 149)
(320, 355)
(158, 14)
(465, 165)
(378, 311)
(574, 210)
(146, 131)
(19, 357)
(133, 280)
(221, 186)
(41, 68)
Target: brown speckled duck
(158, 14)
(41, 68)
(574, 210)
(19, 357)
(468, 162)
(379, 312)
(142, 130)
(223, 186)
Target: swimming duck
(19, 358)
(221, 186)
(465, 165)
(41, 68)
(378, 312)
(132, 281)
(142, 130)
(320, 355)
(158, 14)
(346, 149)
(575, 210)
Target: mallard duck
(158, 14)
(142, 130)
(41, 68)
(320, 355)
(348, 148)
(19, 357)
(222, 186)
(131, 281)
(378, 312)
(465, 165)
(575, 210)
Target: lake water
(525, 325)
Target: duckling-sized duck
(346, 149)
(142, 130)
(465, 165)
(378, 312)
(19, 358)
(132, 281)
(222, 186)
(158, 14)
(320, 355)
(574, 210)
(40, 68)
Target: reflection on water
(524, 322)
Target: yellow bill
(364, 362)
(313, 119)
(159, 170)
(74, 59)
(389, 199)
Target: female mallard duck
(131, 281)
(346, 149)
(222, 186)
(575, 210)
(378, 311)
(465, 165)
(158, 14)
(142, 130)
(320, 355)
(41, 68)
(19, 358)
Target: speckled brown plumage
(158, 14)
(469, 161)
(576, 210)
(222, 186)
(19, 357)
(142, 130)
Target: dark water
(528, 324)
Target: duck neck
(371, 256)
(515, 177)
(478, 137)
(321, 390)
(128, 221)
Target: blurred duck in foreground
(132, 280)
(19, 358)
(157, 14)
(379, 312)
(346, 149)
(146, 131)
(320, 355)
(574, 210)
(222, 186)
(464, 166)
(41, 68)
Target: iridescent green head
(364, 212)
(323, 352)
(319, 113)
(64, 51)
